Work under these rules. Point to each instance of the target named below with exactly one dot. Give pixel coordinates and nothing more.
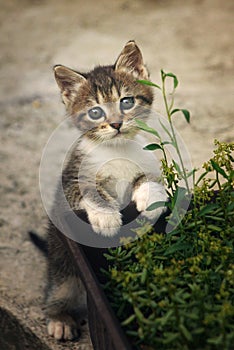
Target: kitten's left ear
(131, 60)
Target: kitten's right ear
(69, 81)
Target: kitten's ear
(131, 60)
(69, 82)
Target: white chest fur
(121, 159)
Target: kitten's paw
(63, 329)
(107, 224)
(146, 194)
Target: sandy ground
(193, 39)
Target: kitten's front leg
(147, 192)
(103, 214)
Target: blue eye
(127, 103)
(96, 113)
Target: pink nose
(116, 126)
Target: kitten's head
(104, 102)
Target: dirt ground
(193, 39)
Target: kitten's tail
(39, 242)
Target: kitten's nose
(116, 126)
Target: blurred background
(193, 39)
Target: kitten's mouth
(123, 133)
(119, 133)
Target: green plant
(170, 111)
(176, 290)
(175, 173)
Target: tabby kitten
(106, 168)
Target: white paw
(63, 330)
(107, 224)
(148, 193)
(104, 221)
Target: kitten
(113, 169)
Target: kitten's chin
(115, 136)
(129, 133)
(121, 138)
(121, 135)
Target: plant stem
(168, 110)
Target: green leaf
(145, 127)
(216, 341)
(230, 207)
(152, 147)
(132, 333)
(128, 320)
(156, 205)
(169, 337)
(174, 77)
(186, 114)
(214, 228)
(167, 143)
(201, 177)
(138, 313)
(147, 82)
(231, 175)
(144, 276)
(185, 332)
(184, 111)
(167, 131)
(218, 169)
(177, 247)
(175, 110)
(164, 319)
(215, 218)
(207, 209)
